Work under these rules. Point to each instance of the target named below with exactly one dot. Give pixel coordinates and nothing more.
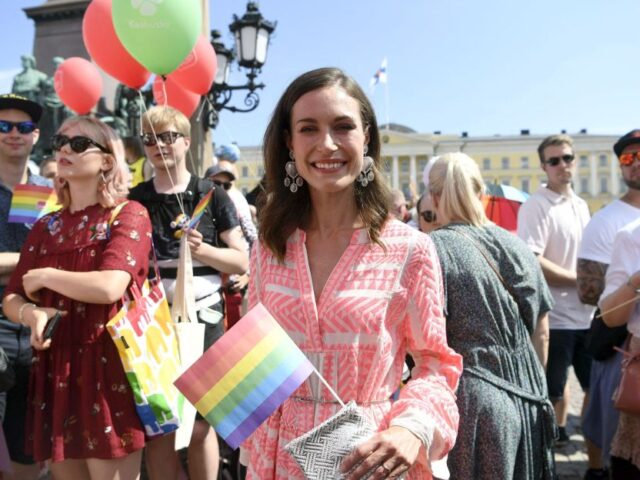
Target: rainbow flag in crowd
(199, 210)
(31, 202)
(245, 376)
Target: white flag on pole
(380, 76)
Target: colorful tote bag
(146, 341)
(147, 344)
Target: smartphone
(51, 326)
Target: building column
(593, 175)
(413, 185)
(395, 172)
(615, 177)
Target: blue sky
(485, 67)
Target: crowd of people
(489, 321)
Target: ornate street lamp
(252, 33)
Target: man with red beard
(551, 222)
(600, 417)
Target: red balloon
(105, 47)
(78, 83)
(198, 70)
(168, 92)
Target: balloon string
(164, 160)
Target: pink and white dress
(376, 306)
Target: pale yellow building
(509, 159)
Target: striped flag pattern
(31, 202)
(245, 376)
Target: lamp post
(252, 33)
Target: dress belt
(327, 401)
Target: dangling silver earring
(102, 178)
(292, 179)
(366, 175)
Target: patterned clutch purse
(320, 451)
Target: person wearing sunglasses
(496, 304)
(594, 260)
(551, 223)
(78, 262)
(427, 218)
(216, 245)
(19, 132)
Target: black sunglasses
(23, 127)
(78, 143)
(428, 216)
(168, 138)
(225, 185)
(554, 161)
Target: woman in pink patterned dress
(354, 288)
(79, 261)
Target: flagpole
(386, 101)
(326, 384)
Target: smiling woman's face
(327, 139)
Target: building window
(525, 185)
(260, 171)
(486, 164)
(245, 172)
(603, 161)
(604, 185)
(584, 161)
(524, 163)
(505, 163)
(245, 190)
(505, 181)
(584, 185)
(404, 165)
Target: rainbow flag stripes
(31, 202)
(245, 376)
(199, 210)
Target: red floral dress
(80, 402)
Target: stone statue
(129, 105)
(29, 82)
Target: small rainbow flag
(199, 210)
(31, 202)
(245, 376)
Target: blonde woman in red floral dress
(81, 414)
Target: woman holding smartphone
(78, 262)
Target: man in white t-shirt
(601, 418)
(551, 222)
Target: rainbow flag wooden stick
(245, 376)
(31, 202)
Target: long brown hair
(285, 211)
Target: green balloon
(158, 33)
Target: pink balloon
(105, 47)
(78, 83)
(198, 70)
(175, 95)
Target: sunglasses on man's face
(225, 185)
(23, 127)
(78, 143)
(555, 161)
(168, 138)
(428, 216)
(627, 159)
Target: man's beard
(632, 184)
